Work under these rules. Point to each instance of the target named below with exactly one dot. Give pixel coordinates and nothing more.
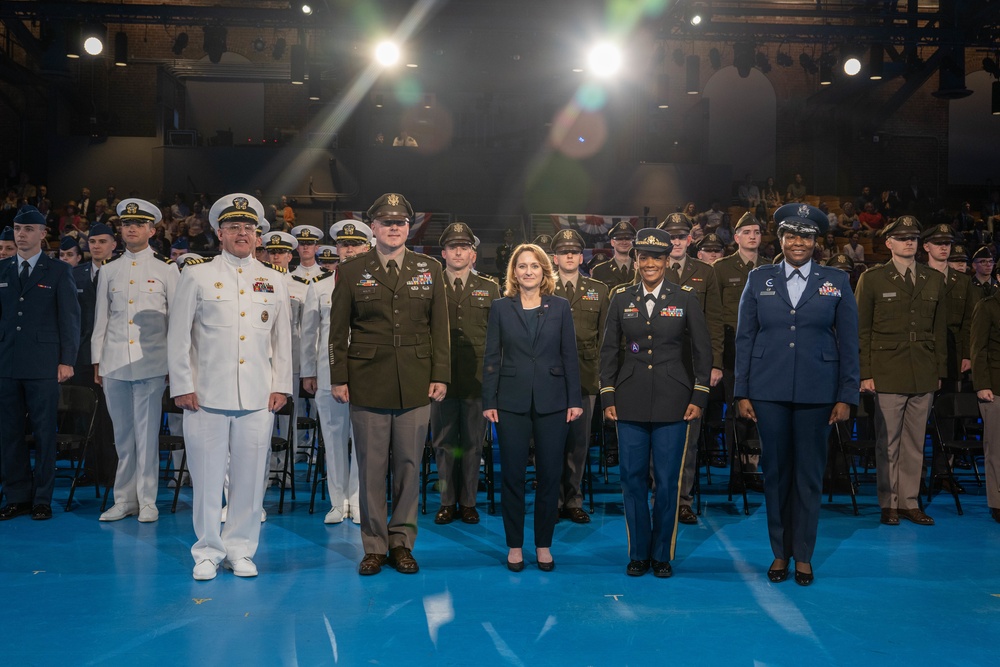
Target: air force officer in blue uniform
(797, 373)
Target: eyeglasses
(983, 261)
(240, 228)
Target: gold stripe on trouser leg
(677, 500)
(628, 535)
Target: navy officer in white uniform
(129, 353)
(797, 373)
(230, 364)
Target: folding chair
(744, 446)
(962, 408)
(283, 443)
(76, 414)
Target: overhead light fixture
(307, 9)
(121, 49)
(278, 50)
(991, 67)
(678, 56)
(387, 54)
(180, 43)
(315, 82)
(379, 101)
(298, 70)
(662, 92)
(763, 64)
(259, 45)
(808, 63)
(94, 37)
(825, 72)
(428, 101)
(696, 14)
(604, 60)
(73, 38)
(215, 42)
(783, 59)
(996, 98)
(875, 62)
(743, 58)
(852, 66)
(693, 75)
(715, 58)
(951, 75)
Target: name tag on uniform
(671, 311)
(768, 292)
(888, 295)
(5, 285)
(736, 280)
(827, 289)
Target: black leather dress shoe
(756, 485)
(574, 514)
(995, 513)
(404, 562)
(890, 517)
(445, 515)
(777, 575)
(637, 568)
(687, 516)
(546, 566)
(11, 510)
(371, 564)
(41, 512)
(662, 569)
(803, 578)
(515, 567)
(469, 514)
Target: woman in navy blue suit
(531, 386)
(797, 373)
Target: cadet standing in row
(457, 422)
(903, 328)
(620, 269)
(588, 300)
(389, 356)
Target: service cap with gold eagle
(711, 243)
(623, 230)
(959, 253)
(457, 232)
(567, 239)
(801, 219)
(983, 252)
(941, 233)
(904, 225)
(280, 241)
(677, 223)
(133, 211)
(348, 230)
(235, 207)
(307, 234)
(747, 219)
(543, 241)
(391, 206)
(841, 261)
(327, 253)
(653, 241)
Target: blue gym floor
(80, 592)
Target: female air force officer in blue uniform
(797, 373)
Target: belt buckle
(913, 336)
(397, 340)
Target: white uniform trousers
(212, 437)
(135, 409)
(341, 469)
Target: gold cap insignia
(241, 203)
(349, 229)
(392, 200)
(218, 285)
(132, 208)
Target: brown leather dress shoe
(371, 564)
(687, 516)
(469, 514)
(890, 517)
(404, 562)
(917, 516)
(574, 514)
(445, 515)
(11, 510)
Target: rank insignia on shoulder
(619, 290)
(687, 288)
(304, 281)
(194, 261)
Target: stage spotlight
(259, 45)
(678, 57)
(852, 66)
(215, 42)
(808, 63)
(951, 75)
(990, 66)
(93, 39)
(315, 82)
(307, 9)
(693, 75)
(875, 62)
(387, 54)
(298, 70)
(825, 72)
(121, 49)
(743, 58)
(697, 14)
(715, 58)
(762, 62)
(278, 50)
(783, 59)
(379, 101)
(604, 60)
(73, 38)
(180, 43)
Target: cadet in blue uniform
(653, 390)
(797, 373)
(39, 339)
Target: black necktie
(749, 266)
(458, 288)
(569, 291)
(390, 268)
(795, 273)
(95, 276)
(908, 277)
(25, 270)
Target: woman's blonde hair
(548, 285)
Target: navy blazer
(40, 324)
(805, 354)
(86, 294)
(517, 369)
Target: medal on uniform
(671, 311)
(218, 285)
(828, 289)
(263, 316)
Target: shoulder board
(687, 288)
(165, 260)
(274, 268)
(323, 276)
(622, 288)
(345, 260)
(110, 259)
(304, 281)
(194, 261)
(488, 278)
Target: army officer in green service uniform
(389, 357)
(457, 422)
(902, 323)
(619, 270)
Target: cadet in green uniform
(903, 327)
(687, 271)
(731, 276)
(985, 350)
(619, 270)
(457, 422)
(710, 248)
(389, 357)
(983, 280)
(960, 298)
(588, 300)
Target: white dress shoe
(241, 567)
(356, 514)
(119, 511)
(149, 514)
(335, 515)
(205, 570)
(263, 515)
